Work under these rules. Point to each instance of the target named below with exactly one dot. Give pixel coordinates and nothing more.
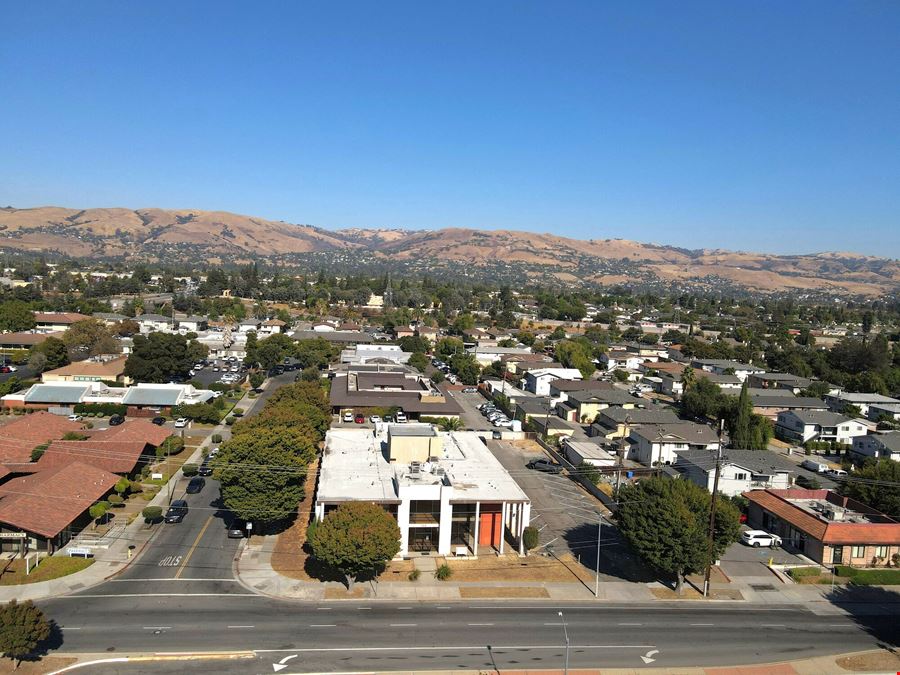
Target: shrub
(216, 438)
(530, 537)
(800, 572)
(189, 470)
(443, 572)
(152, 513)
(231, 420)
(38, 451)
(74, 436)
(101, 409)
(89, 425)
(171, 446)
(116, 500)
(414, 575)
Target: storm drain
(762, 587)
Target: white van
(813, 465)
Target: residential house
(726, 367)
(740, 471)
(618, 422)
(653, 444)
(584, 406)
(251, 324)
(793, 383)
(335, 336)
(881, 445)
(449, 494)
(359, 390)
(271, 327)
(772, 405)
(375, 354)
(825, 526)
(880, 411)
(838, 401)
(621, 360)
(150, 323)
(517, 364)
(537, 380)
(192, 323)
(801, 426)
(560, 389)
(589, 452)
(110, 318)
(106, 367)
(53, 322)
(486, 355)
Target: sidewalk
(254, 571)
(110, 561)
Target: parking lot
(208, 375)
(471, 417)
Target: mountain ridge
(157, 234)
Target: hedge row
(104, 409)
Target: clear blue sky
(764, 125)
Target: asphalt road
(350, 637)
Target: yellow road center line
(187, 558)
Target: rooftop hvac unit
(439, 471)
(834, 514)
(415, 468)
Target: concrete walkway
(253, 569)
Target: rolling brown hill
(160, 234)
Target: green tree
(741, 432)
(667, 523)
(54, 351)
(576, 354)
(450, 423)
(158, 357)
(262, 473)
(882, 493)
(356, 538)
(466, 367)
(257, 379)
(98, 510)
(250, 349)
(90, 336)
(23, 627)
(419, 361)
(414, 343)
(16, 315)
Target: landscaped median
(844, 574)
(52, 567)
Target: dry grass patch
(48, 664)
(503, 592)
(334, 593)
(513, 568)
(877, 661)
(690, 593)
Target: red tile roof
(38, 427)
(113, 456)
(777, 503)
(137, 429)
(45, 503)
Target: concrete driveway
(471, 417)
(745, 561)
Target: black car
(116, 420)
(204, 470)
(177, 511)
(196, 485)
(158, 421)
(237, 529)
(544, 465)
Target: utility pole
(597, 572)
(712, 512)
(566, 633)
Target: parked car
(237, 528)
(544, 465)
(470, 390)
(177, 511)
(181, 423)
(74, 418)
(158, 421)
(807, 483)
(348, 417)
(116, 420)
(503, 422)
(196, 485)
(204, 469)
(836, 473)
(757, 538)
(813, 465)
(7, 369)
(401, 417)
(360, 418)
(374, 419)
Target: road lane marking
(229, 581)
(363, 608)
(631, 624)
(403, 625)
(480, 624)
(323, 608)
(705, 625)
(447, 648)
(242, 626)
(772, 625)
(160, 595)
(187, 558)
(157, 627)
(404, 608)
(322, 625)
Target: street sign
(13, 535)
(249, 526)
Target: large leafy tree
(667, 523)
(355, 538)
(883, 492)
(90, 336)
(16, 315)
(466, 367)
(22, 628)
(262, 473)
(54, 353)
(158, 357)
(576, 354)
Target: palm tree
(450, 424)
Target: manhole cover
(762, 587)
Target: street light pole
(566, 633)
(597, 572)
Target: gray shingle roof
(151, 396)
(822, 418)
(757, 461)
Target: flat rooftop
(355, 468)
